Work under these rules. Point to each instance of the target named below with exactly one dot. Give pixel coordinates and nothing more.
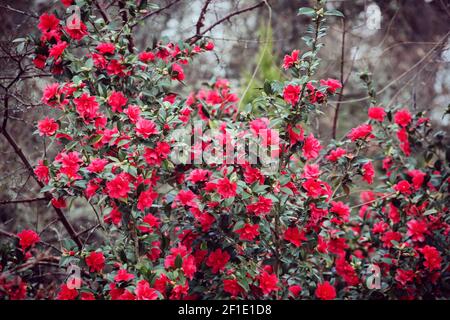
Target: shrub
(360, 218)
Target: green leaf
(238, 225)
(428, 212)
(268, 87)
(334, 12)
(310, 12)
(178, 262)
(259, 188)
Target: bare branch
(7, 7)
(124, 15)
(22, 200)
(338, 106)
(23, 158)
(102, 11)
(201, 18)
(197, 37)
(152, 13)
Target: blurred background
(403, 43)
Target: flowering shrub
(357, 219)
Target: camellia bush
(365, 217)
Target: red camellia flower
(95, 261)
(86, 106)
(177, 72)
(51, 95)
(150, 222)
(363, 131)
(209, 46)
(404, 276)
(118, 187)
(106, 48)
(144, 292)
(311, 147)
(77, 32)
(39, 61)
(189, 267)
(146, 199)
(325, 291)
(417, 229)
(418, 178)
(268, 282)
(403, 187)
(145, 128)
(313, 188)
(133, 112)
(314, 94)
(42, 172)
(123, 275)
(295, 290)
(57, 50)
(226, 188)
(155, 156)
(182, 251)
(199, 175)
(48, 22)
(368, 172)
(59, 203)
(97, 165)
(87, 296)
(290, 60)
(116, 67)
(232, 287)
(47, 127)
(403, 136)
(377, 113)
(432, 257)
(186, 198)
(380, 227)
(390, 236)
(336, 154)
(28, 238)
(296, 133)
(346, 271)
(119, 293)
(251, 175)
(67, 3)
(342, 210)
(117, 101)
(248, 232)
(147, 56)
(332, 85)
(294, 236)
(403, 117)
(66, 293)
(264, 205)
(291, 94)
(171, 97)
(217, 260)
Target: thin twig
(390, 84)
(336, 113)
(32, 15)
(3, 202)
(197, 37)
(151, 14)
(102, 12)
(201, 18)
